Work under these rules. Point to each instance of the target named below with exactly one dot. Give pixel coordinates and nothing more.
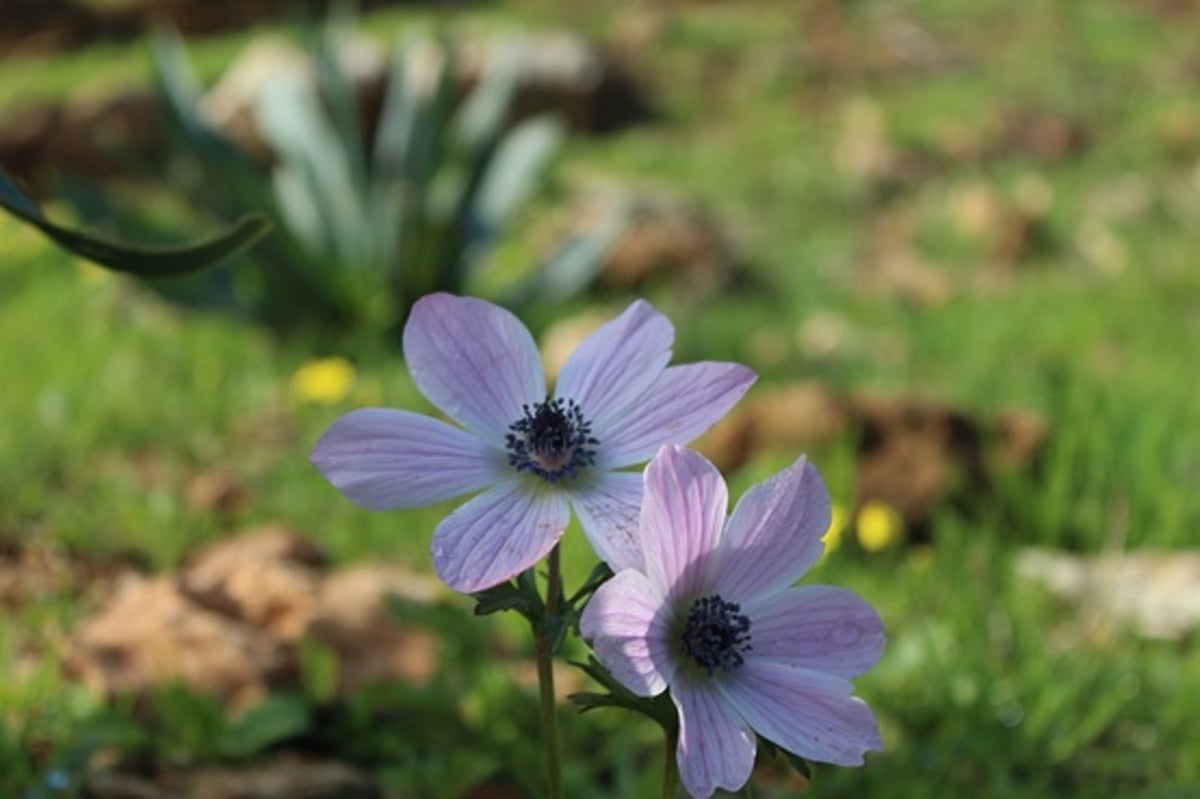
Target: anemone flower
(714, 617)
(536, 454)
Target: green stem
(545, 670)
(670, 767)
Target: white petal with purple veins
(608, 507)
(626, 621)
(819, 627)
(383, 459)
(716, 749)
(497, 535)
(683, 508)
(680, 406)
(806, 712)
(617, 363)
(473, 360)
(774, 534)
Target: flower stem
(545, 669)
(670, 767)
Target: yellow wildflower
(325, 381)
(878, 525)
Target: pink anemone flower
(714, 617)
(534, 454)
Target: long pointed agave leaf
(480, 120)
(182, 93)
(144, 261)
(223, 162)
(338, 91)
(433, 74)
(397, 119)
(514, 171)
(391, 182)
(291, 118)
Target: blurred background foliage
(955, 239)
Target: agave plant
(368, 220)
(152, 262)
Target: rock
(216, 491)
(665, 239)
(794, 418)
(1152, 593)
(652, 237)
(352, 618)
(267, 578)
(233, 622)
(563, 73)
(1023, 437)
(230, 106)
(557, 72)
(33, 570)
(149, 633)
(554, 72)
(912, 454)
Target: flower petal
(473, 360)
(383, 459)
(715, 749)
(774, 533)
(680, 406)
(626, 621)
(497, 535)
(806, 712)
(683, 507)
(617, 363)
(817, 627)
(608, 508)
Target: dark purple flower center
(552, 440)
(716, 634)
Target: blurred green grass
(113, 401)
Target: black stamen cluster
(716, 634)
(552, 440)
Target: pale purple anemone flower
(714, 617)
(537, 454)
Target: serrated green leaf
(143, 261)
(585, 701)
(506, 596)
(600, 574)
(657, 708)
